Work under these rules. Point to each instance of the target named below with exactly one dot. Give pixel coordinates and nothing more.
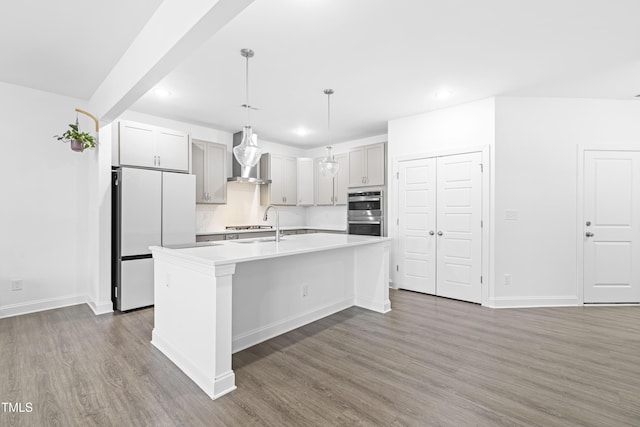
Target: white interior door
(611, 231)
(459, 231)
(416, 225)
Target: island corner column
(224, 380)
(193, 319)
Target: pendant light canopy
(329, 166)
(247, 153)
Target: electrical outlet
(507, 279)
(305, 290)
(16, 285)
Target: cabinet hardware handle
(439, 233)
(431, 233)
(589, 234)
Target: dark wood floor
(430, 361)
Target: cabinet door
(199, 168)
(136, 284)
(289, 177)
(356, 168)
(178, 208)
(277, 188)
(136, 143)
(341, 180)
(324, 185)
(374, 164)
(305, 181)
(216, 173)
(172, 150)
(141, 213)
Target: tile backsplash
(243, 208)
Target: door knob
(589, 234)
(439, 233)
(431, 233)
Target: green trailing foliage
(87, 140)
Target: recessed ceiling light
(301, 131)
(161, 92)
(443, 94)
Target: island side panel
(371, 280)
(192, 320)
(274, 296)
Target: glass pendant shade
(329, 166)
(248, 153)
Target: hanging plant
(78, 140)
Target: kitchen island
(216, 299)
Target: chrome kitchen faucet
(266, 211)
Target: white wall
(536, 174)
(45, 209)
(468, 125)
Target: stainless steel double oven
(365, 213)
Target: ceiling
(384, 59)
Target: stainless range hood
(242, 174)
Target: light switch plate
(511, 215)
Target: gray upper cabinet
(152, 147)
(305, 181)
(367, 166)
(209, 165)
(332, 191)
(283, 172)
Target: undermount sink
(265, 240)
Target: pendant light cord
(247, 91)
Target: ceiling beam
(174, 32)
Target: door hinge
(398, 175)
(397, 221)
(397, 267)
(480, 279)
(116, 289)
(481, 167)
(481, 223)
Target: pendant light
(329, 166)
(247, 153)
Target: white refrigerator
(149, 208)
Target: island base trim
(256, 336)
(214, 387)
(373, 305)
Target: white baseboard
(534, 301)
(41, 305)
(251, 338)
(101, 308)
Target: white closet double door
(439, 226)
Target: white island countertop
(235, 251)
